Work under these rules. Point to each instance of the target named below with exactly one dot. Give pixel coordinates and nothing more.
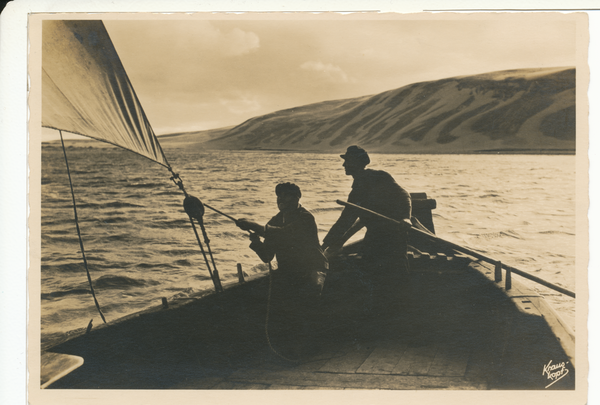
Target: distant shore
(93, 144)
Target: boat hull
(451, 327)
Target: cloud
(238, 42)
(242, 104)
(164, 43)
(328, 71)
(224, 41)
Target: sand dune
(515, 111)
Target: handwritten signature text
(554, 372)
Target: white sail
(86, 91)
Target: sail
(86, 91)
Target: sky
(198, 74)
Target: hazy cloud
(172, 41)
(238, 42)
(327, 70)
(226, 42)
(242, 104)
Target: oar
(402, 224)
(462, 249)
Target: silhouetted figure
(384, 249)
(291, 236)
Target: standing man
(385, 261)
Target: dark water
(140, 246)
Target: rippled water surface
(140, 246)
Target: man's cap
(288, 188)
(357, 154)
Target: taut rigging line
(79, 231)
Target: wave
(115, 204)
(64, 268)
(180, 252)
(227, 234)
(113, 220)
(95, 263)
(169, 192)
(59, 227)
(246, 203)
(120, 204)
(60, 294)
(154, 266)
(117, 238)
(216, 188)
(122, 282)
(134, 180)
(501, 234)
(204, 276)
(143, 185)
(556, 233)
(169, 224)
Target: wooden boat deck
(380, 365)
(459, 330)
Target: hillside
(520, 111)
(193, 140)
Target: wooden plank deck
(383, 359)
(386, 364)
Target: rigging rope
(207, 241)
(177, 180)
(195, 209)
(78, 230)
(214, 275)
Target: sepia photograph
(266, 201)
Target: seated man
(385, 261)
(291, 236)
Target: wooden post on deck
(240, 273)
(498, 272)
(508, 282)
(219, 287)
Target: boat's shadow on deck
(452, 329)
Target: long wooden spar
(219, 212)
(432, 237)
